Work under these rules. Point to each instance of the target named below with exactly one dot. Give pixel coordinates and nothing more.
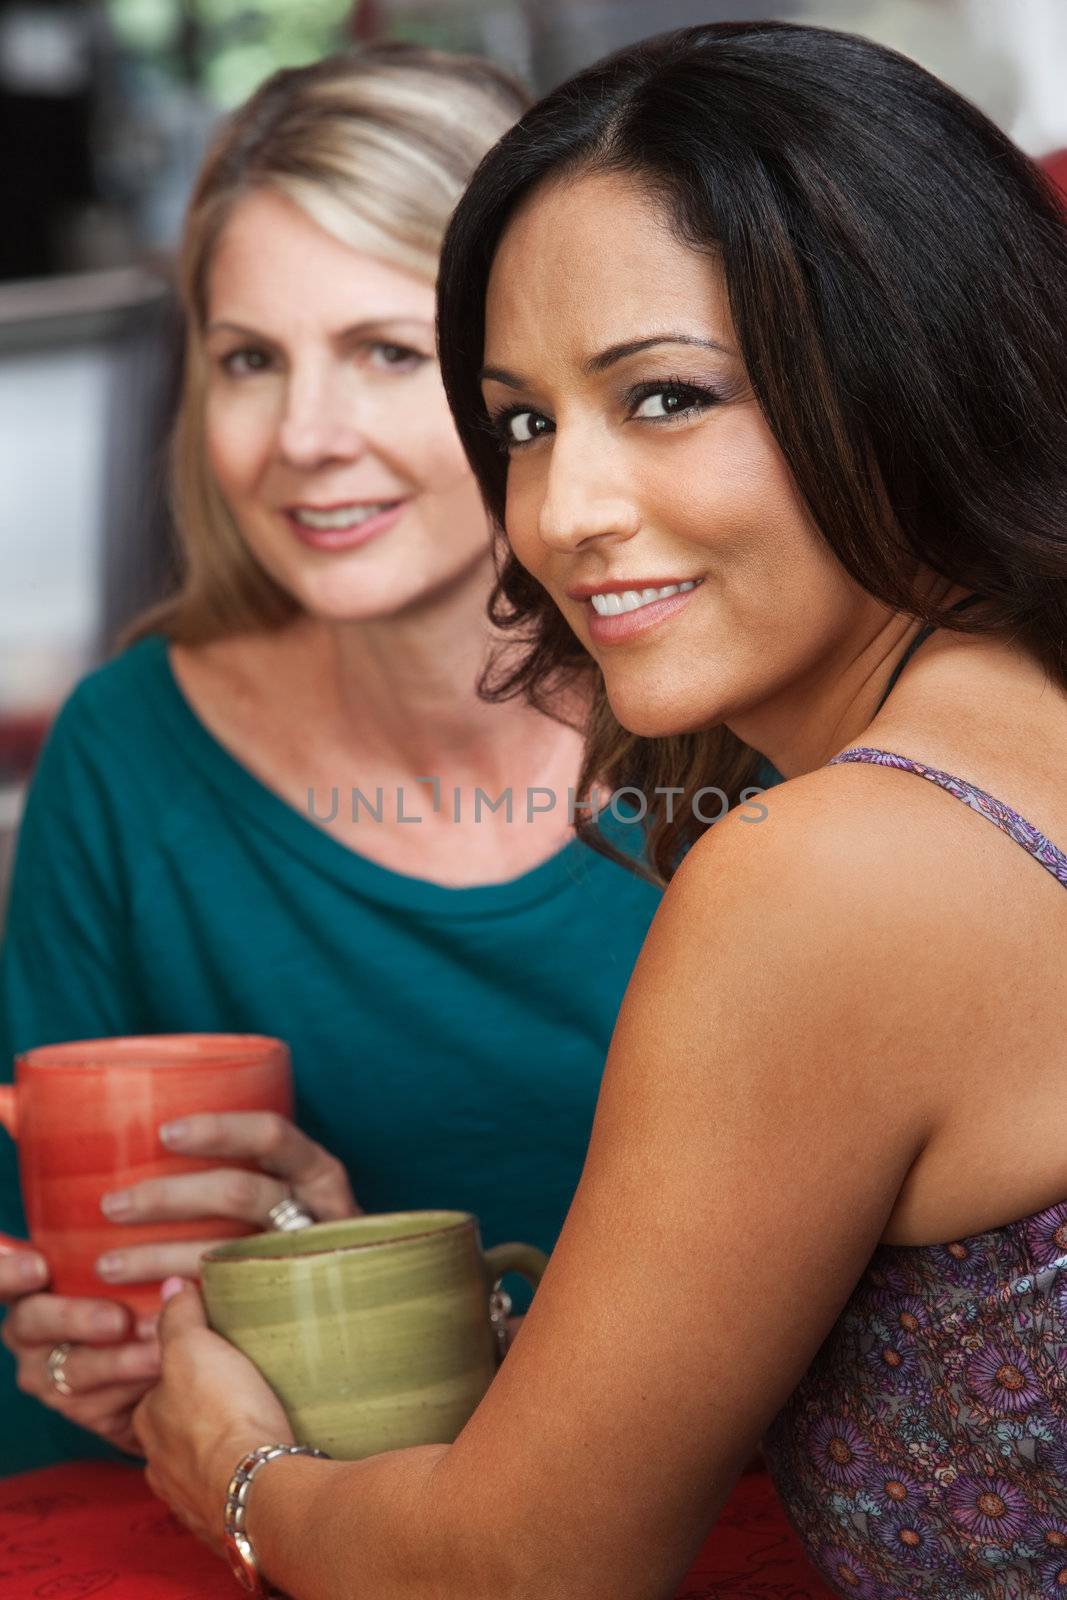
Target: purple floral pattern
(924, 1454)
(943, 1476)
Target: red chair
(1055, 166)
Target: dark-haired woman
(757, 339)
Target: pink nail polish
(171, 1287)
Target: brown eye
(525, 426)
(396, 357)
(656, 402)
(243, 363)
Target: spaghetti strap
(920, 639)
(995, 811)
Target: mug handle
(525, 1259)
(9, 1119)
(9, 1114)
(529, 1263)
(9, 1245)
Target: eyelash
(700, 398)
(411, 360)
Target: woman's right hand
(111, 1363)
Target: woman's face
(326, 423)
(641, 462)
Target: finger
(151, 1263)
(54, 1319)
(91, 1374)
(183, 1310)
(21, 1272)
(276, 1145)
(106, 1412)
(260, 1136)
(223, 1192)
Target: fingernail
(31, 1269)
(116, 1205)
(174, 1133)
(171, 1287)
(106, 1322)
(147, 1327)
(111, 1265)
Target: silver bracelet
(239, 1552)
(499, 1312)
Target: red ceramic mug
(86, 1117)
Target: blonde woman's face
(326, 423)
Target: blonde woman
(284, 808)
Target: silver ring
(289, 1216)
(57, 1369)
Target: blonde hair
(376, 146)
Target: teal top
(447, 1043)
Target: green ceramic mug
(373, 1332)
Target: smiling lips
(343, 527)
(617, 615)
(338, 517)
(613, 604)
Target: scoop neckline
(226, 774)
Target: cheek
(416, 433)
(522, 515)
(729, 491)
(237, 442)
(434, 457)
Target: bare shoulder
(823, 920)
(856, 846)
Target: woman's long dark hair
(897, 280)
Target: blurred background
(105, 108)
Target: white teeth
(340, 516)
(612, 605)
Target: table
(93, 1528)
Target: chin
(659, 716)
(354, 602)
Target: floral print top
(924, 1454)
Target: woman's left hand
(208, 1409)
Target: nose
(585, 497)
(318, 423)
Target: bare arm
(730, 1200)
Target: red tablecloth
(94, 1529)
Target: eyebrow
(355, 331)
(607, 358)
